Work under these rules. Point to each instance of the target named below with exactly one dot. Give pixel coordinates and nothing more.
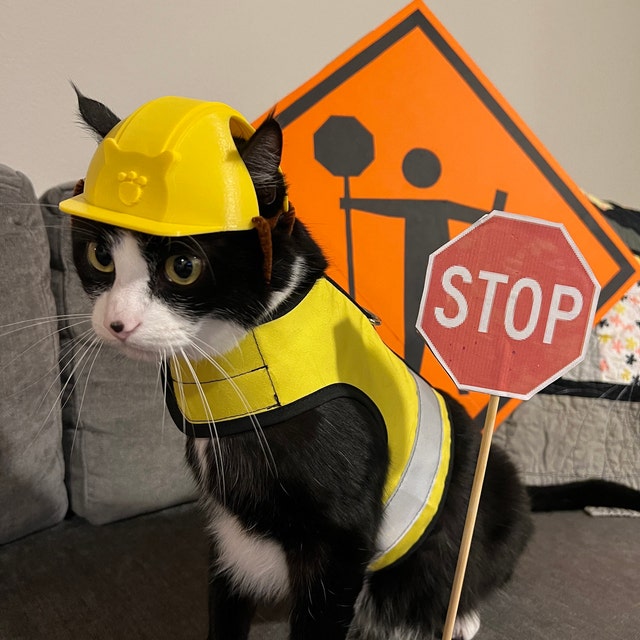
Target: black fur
(319, 492)
(323, 506)
(97, 118)
(415, 593)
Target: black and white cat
(294, 509)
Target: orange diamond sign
(400, 144)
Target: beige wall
(571, 68)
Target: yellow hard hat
(171, 168)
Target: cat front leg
(230, 613)
(324, 601)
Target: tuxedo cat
(294, 507)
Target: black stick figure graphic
(345, 148)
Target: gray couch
(99, 535)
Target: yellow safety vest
(326, 348)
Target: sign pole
(472, 512)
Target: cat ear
(262, 154)
(95, 116)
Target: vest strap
(412, 508)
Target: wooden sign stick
(472, 512)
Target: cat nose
(119, 329)
(117, 326)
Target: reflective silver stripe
(412, 494)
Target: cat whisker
(222, 371)
(206, 345)
(159, 386)
(204, 253)
(95, 348)
(36, 322)
(183, 400)
(162, 382)
(64, 388)
(65, 352)
(164, 390)
(87, 341)
(31, 204)
(262, 439)
(37, 342)
(56, 227)
(215, 441)
(262, 312)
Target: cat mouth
(138, 353)
(153, 353)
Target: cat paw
(466, 626)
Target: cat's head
(156, 296)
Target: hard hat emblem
(137, 175)
(131, 186)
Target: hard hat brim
(78, 206)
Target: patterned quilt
(585, 426)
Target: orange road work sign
(400, 144)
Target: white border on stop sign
(592, 311)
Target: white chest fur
(256, 565)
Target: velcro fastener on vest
(243, 387)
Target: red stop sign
(508, 304)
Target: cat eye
(99, 257)
(183, 269)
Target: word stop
(559, 310)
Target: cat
(294, 509)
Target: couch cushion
(32, 491)
(124, 456)
(147, 578)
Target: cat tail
(583, 494)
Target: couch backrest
(77, 428)
(32, 490)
